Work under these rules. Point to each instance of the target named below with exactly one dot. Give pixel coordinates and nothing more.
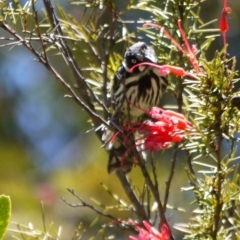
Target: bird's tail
(122, 150)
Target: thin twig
(95, 117)
(68, 54)
(116, 222)
(219, 179)
(84, 204)
(131, 195)
(170, 177)
(38, 29)
(154, 172)
(155, 193)
(189, 162)
(82, 84)
(148, 201)
(105, 77)
(152, 188)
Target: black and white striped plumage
(133, 93)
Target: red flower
(166, 69)
(188, 51)
(223, 21)
(170, 127)
(150, 233)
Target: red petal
(166, 232)
(176, 70)
(182, 124)
(177, 138)
(223, 22)
(157, 142)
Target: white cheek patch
(141, 68)
(125, 66)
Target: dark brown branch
(105, 77)
(96, 118)
(115, 222)
(82, 84)
(131, 195)
(155, 193)
(154, 172)
(218, 195)
(189, 162)
(66, 51)
(148, 200)
(153, 189)
(38, 29)
(84, 204)
(170, 177)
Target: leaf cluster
(208, 197)
(210, 103)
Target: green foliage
(5, 214)
(30, 232)
(209, 198)
(210, 103)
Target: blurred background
(44, 147)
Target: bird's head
(138, 53)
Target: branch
(115, 222)
(38, 30)
(132, 196)
(153, 189)
(84, 204)
(170, 177)
(155, 193)
(95, 117)
(218, 195)
(154, 171)
(105, 77)
(66, 51)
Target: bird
(133, 93)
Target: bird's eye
(133, 60)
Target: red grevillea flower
(188, 51)
(166, 69)
(169, 128)
(223, 21)
(150, 233)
